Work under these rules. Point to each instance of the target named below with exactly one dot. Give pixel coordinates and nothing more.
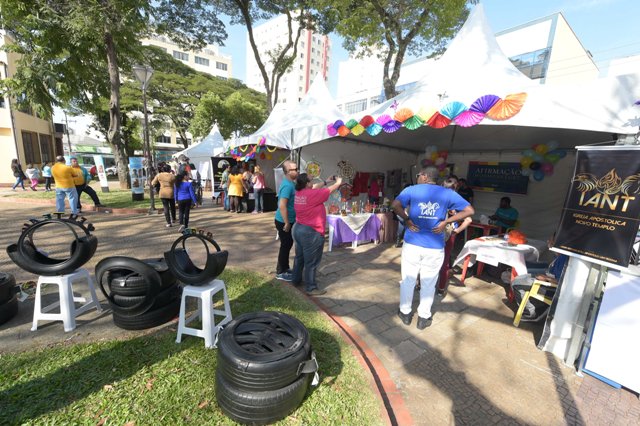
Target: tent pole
(453, 136)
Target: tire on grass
(9, 309)
(7, 287)
(162, 299)
(148, 319)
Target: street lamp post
(143, 74)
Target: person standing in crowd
(33, 173)
(308, 231)
(375, 189)
(224, 185)
(185, 198)
(46, 174)
(258, 189)
(423, 248)
(465, 190)
(166, 180)
(285, 218)
(16, 168)
(65, 187)
(82, 184)
(184, 165)
(505, 216)
(236, 189)
(247, 183)
(451, 231)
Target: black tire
(26, 255)
(9, 309)
(183, 268)
(146, 274)
(259, 408)
(135, 285)
(162, 299)
(148, 319)
(263, 350)
(7, 287)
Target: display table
(353, 228)
(388, 227)
(486, 229)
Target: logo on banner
(612, 192)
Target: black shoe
(406, 318)
(100, 205)
(423, 322)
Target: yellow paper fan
(508, 107)
(426, 113)
(357, 130)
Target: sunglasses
(418, 175)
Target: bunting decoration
(241, 154)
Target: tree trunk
(115, 117)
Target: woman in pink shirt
(308, 231)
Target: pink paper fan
(484, 103)
(469, 118)
(331, 131)
(383, 119)
(391, 126)
(374, 129)
(453, 109)
(438, 121)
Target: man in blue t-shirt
(505, 216)
(423, 249)
(285, 218)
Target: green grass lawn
(151, 380)
(115, 198)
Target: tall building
(23, 135)
(208, 60)
(313, 55)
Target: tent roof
(211, 145)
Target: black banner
(499, 177)
(602, 208)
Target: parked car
(111, 171)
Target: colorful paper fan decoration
(413, 123)
(357, 130)
(508, 107)
(484, 103)
(351, 123)
(343, 131)
(331, 131)
(453, 109)
(469, 118)
(366, 121)
(383, 119)
(426, 114)
(391, 126)
(438, 121)
(403, 114)
(374, 129)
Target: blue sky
(607, 28)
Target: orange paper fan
(343, 131)
(403, 114)
(508, 107)
(438, 121)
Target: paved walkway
(470, 367)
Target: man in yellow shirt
(65, 187)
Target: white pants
(426, 262)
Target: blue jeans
(226, 199)
(19, 181)
(71, 194)
(259, 197)
(309, 245)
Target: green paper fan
(413, 123)
(351, 123)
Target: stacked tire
(8, 297)
(265, 366)
(141, 293)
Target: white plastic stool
(205, 311)
(68, 311)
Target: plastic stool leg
(208, 322)
(37, 308)
(94, 296)
(525, 299)
(181, 318)
(67, 305)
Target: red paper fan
(438, 121)
(508, 107)
(366, 121)
(469, 118)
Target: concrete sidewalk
(470, 367)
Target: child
(33, 173)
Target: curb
(87, 209)
(391, 397)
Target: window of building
(180, 55)
(202, 61)
(301, 66)
(163, 139)
(533, 64)
(2, 104)
(46, 149)
(302, 44)
(302, 55)
(31, 148)
(301, 77)
(313, 50)
(221, 66)
(355, 106)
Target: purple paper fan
(338, 123)
(391, 126)
(374, 129)
(484, 103)
(331, 130)
(383, 119)
(469, 118)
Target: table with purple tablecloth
(353, 229)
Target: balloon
(552, 145)
(269, 156)
(526, 172)
(434, 156)
(547, 169)
(538, 175)
(425, 162)
(538, 157)
(443, 154)
(528, 153)
(541, 149)
(262, 156)
(443, 173)
(442, 166)
(439, 161)
(525, 162)
(535, 165)
(551, 158)
(562, 153)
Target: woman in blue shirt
(185, 198)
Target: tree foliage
(392, 29)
